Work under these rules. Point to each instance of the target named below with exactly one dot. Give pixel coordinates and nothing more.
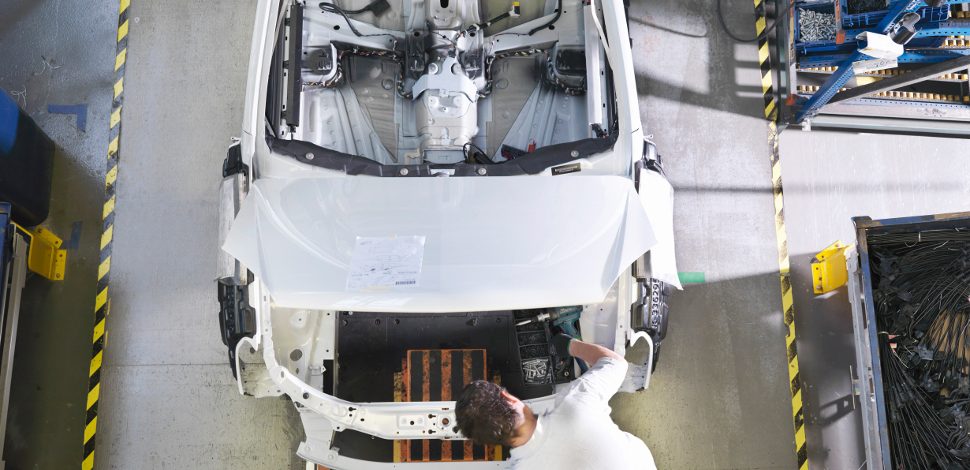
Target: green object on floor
(691, 277)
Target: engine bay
(439, 81)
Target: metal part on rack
(816, 26)
(909, 78)
(845, 71)
(931, 105)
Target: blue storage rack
(935, 23)
(933, 28)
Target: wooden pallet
(440, 375)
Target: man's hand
(560, 343)
(588, 352)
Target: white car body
(301, 225)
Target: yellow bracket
(45, 255)
(828, 268)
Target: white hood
(450, 244)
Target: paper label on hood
(386, 263)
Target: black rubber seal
(529, 164)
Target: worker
(577, 434)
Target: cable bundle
(921, 287)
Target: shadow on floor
(721, 386)
(826, 351)
(692, 28)
(50, 372)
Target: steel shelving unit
(926, 90)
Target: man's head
(488, 414)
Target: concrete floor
(59, 53)
(168, 396)
(829, 178)
(720, 397)
(168, 400)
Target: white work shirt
(578, 434)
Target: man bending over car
(578, 434)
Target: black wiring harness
(373, 7)
(766, 32)
(921, 291)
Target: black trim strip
(529, 164)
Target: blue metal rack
(928, 56)
(932, 29)
(845, 72)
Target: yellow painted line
(89, 429)
(104, 268)
(769, 108)
(95, 363)
(123, 30)
(99, 302)
(93, 396)
(111, 177)
(98, 331)
(121, 58)
(115, 117)
(107, 236)
(762, 51)
(784, 267)
(102, 300)
(113, 146)
(781, 239)
(119, 86)
(109, 206)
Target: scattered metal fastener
(815, 26)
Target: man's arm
(590, 353)
(607, 368)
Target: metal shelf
(817, 77)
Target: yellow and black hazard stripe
(784, 263)
(102, 302)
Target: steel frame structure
(833, 107)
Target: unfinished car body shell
(434, 158)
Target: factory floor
(720, 398)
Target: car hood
(425, 244)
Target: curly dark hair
(483, 415)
